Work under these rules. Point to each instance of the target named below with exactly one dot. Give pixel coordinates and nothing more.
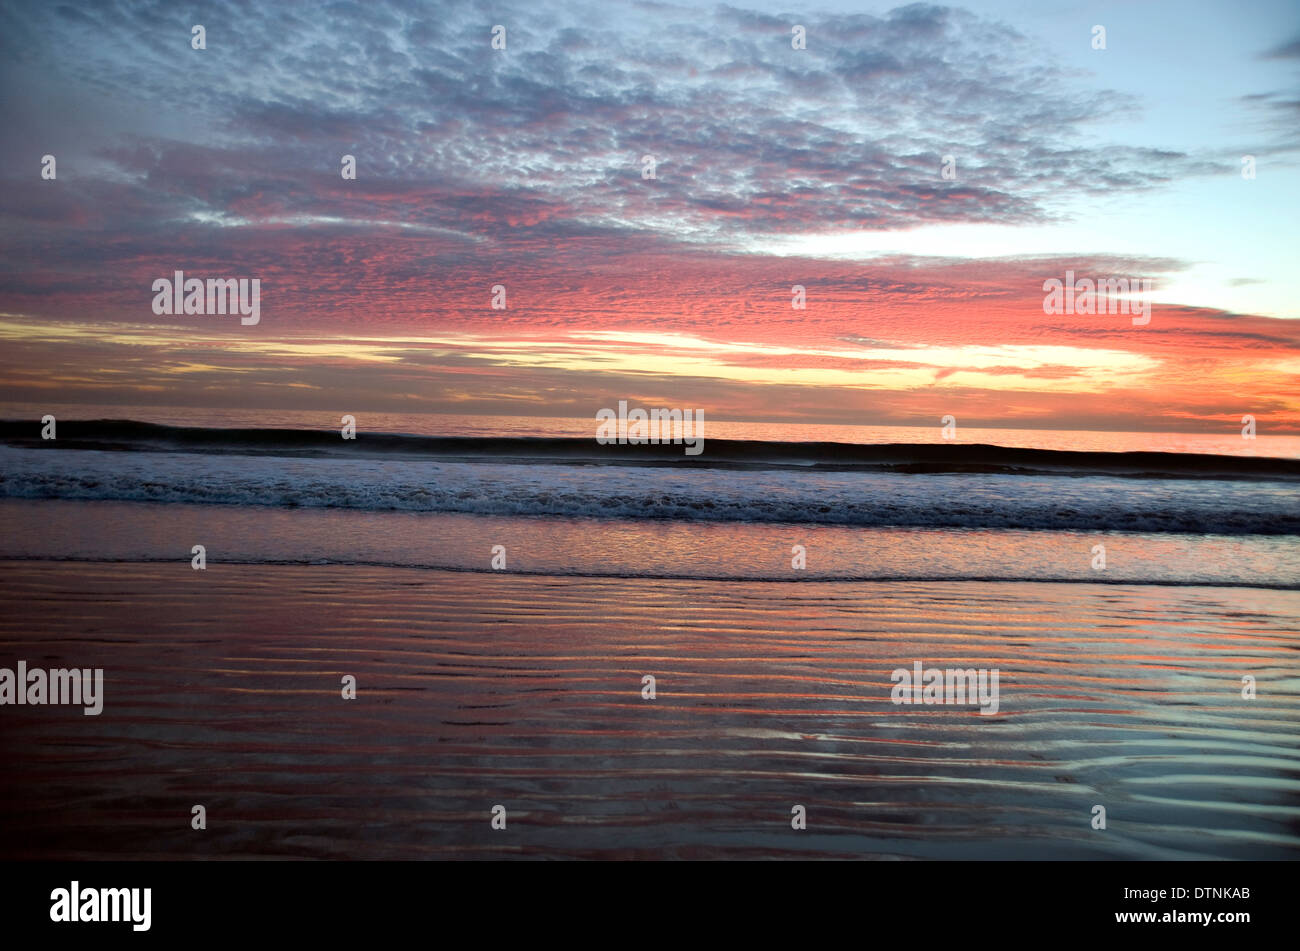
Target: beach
(223, 688)
(361, 649)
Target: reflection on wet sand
(223, 688)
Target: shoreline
(574, 546)
(718, 579)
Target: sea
(501, 586)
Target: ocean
(500, 589)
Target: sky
(920, 170)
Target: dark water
(223, 689)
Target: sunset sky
(775, 167)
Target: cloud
(1287, 50)
(524, 167)
(751, 136)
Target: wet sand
(222, 688)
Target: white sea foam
(1086, 503)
